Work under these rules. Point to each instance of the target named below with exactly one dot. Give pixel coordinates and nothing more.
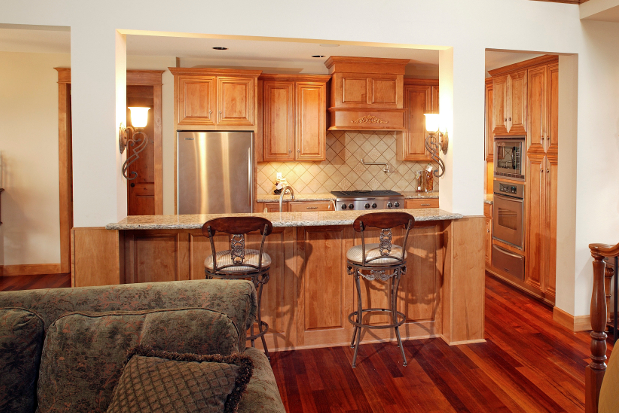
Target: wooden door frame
(134, 78)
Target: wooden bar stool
(383, 261)
(238, 262)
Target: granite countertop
(488, 198)
(283, 219)
(329, 197)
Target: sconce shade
(139, 116)
(431, 122)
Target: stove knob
(351, 206)
(343, 206)
(367, 206)
(389, 205)
(397, 204)
(374, 205)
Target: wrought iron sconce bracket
(127, 136)
(436, 142)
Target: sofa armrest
(262, 394)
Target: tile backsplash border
(343, 170)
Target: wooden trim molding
(565, 1)
(30, 269)
(546, 59)
(574, 323)
(65, 167)
(420, 82)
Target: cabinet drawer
(421, 203)
(272, 207)
(310, 206)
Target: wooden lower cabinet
(421, 203)
(310, 206)
(310, 294)
(488, 233)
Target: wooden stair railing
(594, 373)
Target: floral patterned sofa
(64, 349)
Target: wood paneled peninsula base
(310, 294)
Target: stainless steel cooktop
(368, 200)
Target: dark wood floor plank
(528, 364)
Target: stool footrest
(401, 318)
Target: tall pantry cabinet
(525, 102)
(541, 191)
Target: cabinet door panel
(235, 101)
(536, 218)
(197, 99)
(552, 139)
(499, 90)
(385, 91)
(310, 121)
(354, 90)
(278, 121)
(418, 102)
(310, 206)
(550, 192)
(489, 123)
(537, 106)
(517, 104)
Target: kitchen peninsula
(309, 295)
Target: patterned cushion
(21, 341)
(251, 257)
(160, 381)
(355, 254)
(235, 298)
(83, 354)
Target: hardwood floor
(528, 364)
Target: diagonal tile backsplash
(343, 170)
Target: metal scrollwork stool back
(383, 261)
(239, 262)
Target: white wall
(467, 27)
(29, 145)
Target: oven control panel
(510, 189)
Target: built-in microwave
(509, 157)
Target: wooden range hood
(366, 93)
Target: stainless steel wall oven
(508, 226)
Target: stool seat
(226, 265)
(372, 254)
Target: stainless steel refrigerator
(215, 172)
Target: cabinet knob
(510, 119)
(547, 171)
(210, 112)
(298, 150)
(505, 119)
(220, 112)
(289, 150)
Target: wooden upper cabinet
(489, 127)
(537, 119)
(196, 100)
(311, 127)
(552, 135)
(356, 90)
(235, 101)
(294, 117)
(220, 98)
(509, 101)
(278, 104)
(420, 97)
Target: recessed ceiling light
(330, 45)
(318, 55)
(220, 48)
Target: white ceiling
(272, 56)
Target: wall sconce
(435, 141)
(128, 136)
